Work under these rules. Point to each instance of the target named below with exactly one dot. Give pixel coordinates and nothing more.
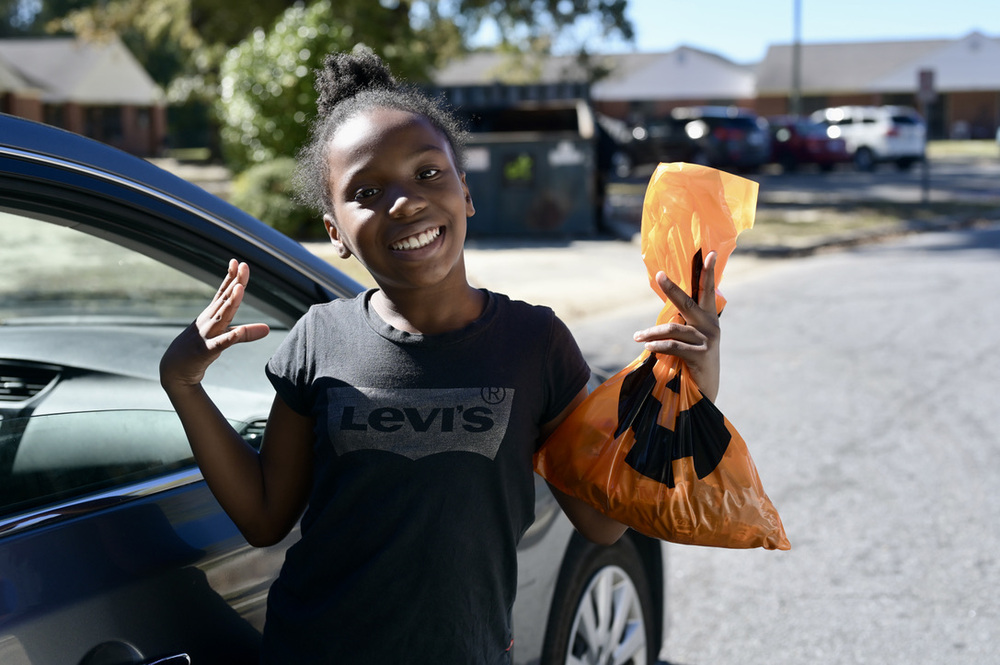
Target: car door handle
(176, 659)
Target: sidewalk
(580, 278)
(583, 278)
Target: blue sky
(741, 30)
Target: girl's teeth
(418, 241)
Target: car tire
(602, 603)
(864, 159)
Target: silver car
(112, 548)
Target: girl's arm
(264, 493)
(590, 522)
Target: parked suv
(718, 136)
(875, 134)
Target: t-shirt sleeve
(567, 371)
(288, 369)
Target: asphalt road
(864, 383)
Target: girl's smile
(418, 240)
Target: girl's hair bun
(345, 75)
(352, 83)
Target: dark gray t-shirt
(423, 481)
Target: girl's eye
(365, 193)
(428, 173)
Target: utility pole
(795, 105)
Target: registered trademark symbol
(493, 395)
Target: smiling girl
(405, 419)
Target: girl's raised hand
(696, 341)
(187, 358)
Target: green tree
(267, 89)
(253, 62)
(537, 24)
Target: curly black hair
(348, 84)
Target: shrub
(266, 192)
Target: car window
(53, 457)
(84, 321)
(56, 272)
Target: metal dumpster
(531, 168)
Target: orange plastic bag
(646, 448)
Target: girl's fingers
(692, 311)
(222, 309)
(706, 290)
(250, 332)
(231, 272)
(671, 331)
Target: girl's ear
(334, 233)
(470, 209)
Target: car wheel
(864, 159)
(905, 164)
(602, 611)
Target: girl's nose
(405, 202)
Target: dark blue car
(112, 548)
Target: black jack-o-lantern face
(699, 432)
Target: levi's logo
(419, 422)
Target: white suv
(876, 134)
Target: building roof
(67, 69)
(684, 73)
(10, 81)
(850, 67)
(969, 64)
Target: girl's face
(399, 202)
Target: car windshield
(57, 274)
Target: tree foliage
(254, 61)
(267, 94)
(536, 24)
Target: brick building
(966, 76)
(96, 89)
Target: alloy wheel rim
(608, 626)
